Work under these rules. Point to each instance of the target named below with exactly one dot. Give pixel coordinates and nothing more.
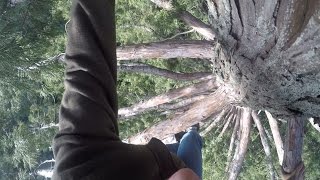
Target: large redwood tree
(265, 56)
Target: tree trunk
(270, 53)
(167, 50)
(293, 147)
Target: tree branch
(148, 69)
(276, 136)
(195, 23)
(166, 98)
(217, 120)
(265, 144)
(199, 111)
(180, 104)
(181, 33)
(224, 120)
(199, 26)
(194, 49)
(167, 50)
(238, 158)
(173, 109)
(233, 138)
(231, 117)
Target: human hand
(184, 174)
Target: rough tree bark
(270, 53)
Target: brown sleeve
(87, 144)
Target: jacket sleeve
(87, 145)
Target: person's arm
(87, 144)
